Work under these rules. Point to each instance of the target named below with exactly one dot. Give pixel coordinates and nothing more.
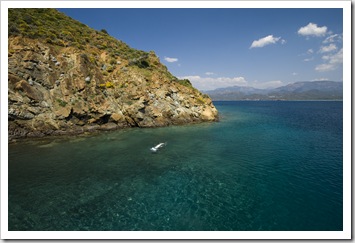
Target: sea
(265, 166)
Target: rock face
(62, 89)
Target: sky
(216, 48)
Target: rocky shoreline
(52, 92)
(84, 80)
(20, 135)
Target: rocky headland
(66, 78)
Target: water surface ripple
(264, 166)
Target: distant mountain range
(311, 90)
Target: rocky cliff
(66, 78)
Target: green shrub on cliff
(106, 85)
(62, 102)
(185, 82)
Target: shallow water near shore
(264, 166)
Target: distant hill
(316, 90)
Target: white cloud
(333, 61)
(196, 77)
(307, 53)
(333, 38)
(320, 79)
(267, 40)
(294, 74)
(209, 73)
(308, 59)
(267, 85)
(325, 67)
(334, 58)
(171, 59)
(208, 83)
(329, 48)
(312, 30)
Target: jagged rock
(118, 117)
(108, 126)
(91, 128)
(44, 104)
(15, 114)
(55, 90)
(63, 112)
(29, 91)
(208, 114)
(34, 110)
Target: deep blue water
(264, 166)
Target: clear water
(264, 166)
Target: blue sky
(217, 48)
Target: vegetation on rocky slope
(65, 77)
(52, 27)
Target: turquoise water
(264, 166)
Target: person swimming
(157, 147)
